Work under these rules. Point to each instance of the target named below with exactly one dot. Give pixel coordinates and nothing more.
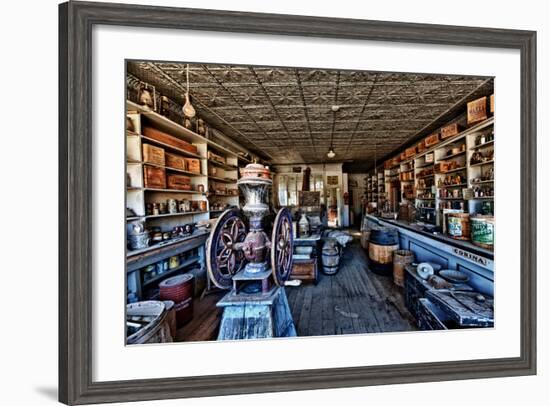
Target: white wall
(29, 69)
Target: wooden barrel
(401, 258)
(146, 323)
(365, 235)
(330, 257)
(382, 243)
(483, 231)
(458, 226)
(179, 289)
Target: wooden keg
(383, 242)
(483, 231)
(146, 323)
(458, 226)
(179, 289)
(365, 235)
(330, 257)
(401, 258)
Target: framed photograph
(189, 141)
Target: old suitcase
(153, 155)
(175, 161)
(168, 139)
(477, 110)
(179, 182)
(154, 177)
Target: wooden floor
(355, 300)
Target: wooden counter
(438, 248)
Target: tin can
(172, 206)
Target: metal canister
(172, 206)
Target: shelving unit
(212, 185)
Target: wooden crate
(421, 146)
(193, 165)
(410, 152)
(179, 182)
(216, 157)
(153, 155)
(304, 269)
(169, 139)
(175, 161)
(154, 177)
(431, 140)
(450, 131)
(477, 110)
(403, 156)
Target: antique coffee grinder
(250, 265)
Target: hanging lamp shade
(188, 109)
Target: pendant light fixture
(188, 109)
(331, 154)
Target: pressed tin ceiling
(284, 114)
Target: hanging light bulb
(331, 153)
(188, 109)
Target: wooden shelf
(462, 168)
(451, 198)
(187, 213)
(425, 176)
(481, 182)
(483, 198)
(172, 148)
(186, 263)
(482, 163)
(222, 165)
(444, 158)
(451, 186)
(187, 192)
(169, 168)
(222, 180)
(221, 195)
(482, 145)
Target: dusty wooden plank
(305, 311)
(327, 307)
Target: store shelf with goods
(462, 168)
(191, 261)
(175, 191)
(175, 170)
(182, 214)
(482, 163)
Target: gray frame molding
(75, 187)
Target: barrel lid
(176, 280)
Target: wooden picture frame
(76, 19)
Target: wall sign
(332, 180)
(472, 257)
